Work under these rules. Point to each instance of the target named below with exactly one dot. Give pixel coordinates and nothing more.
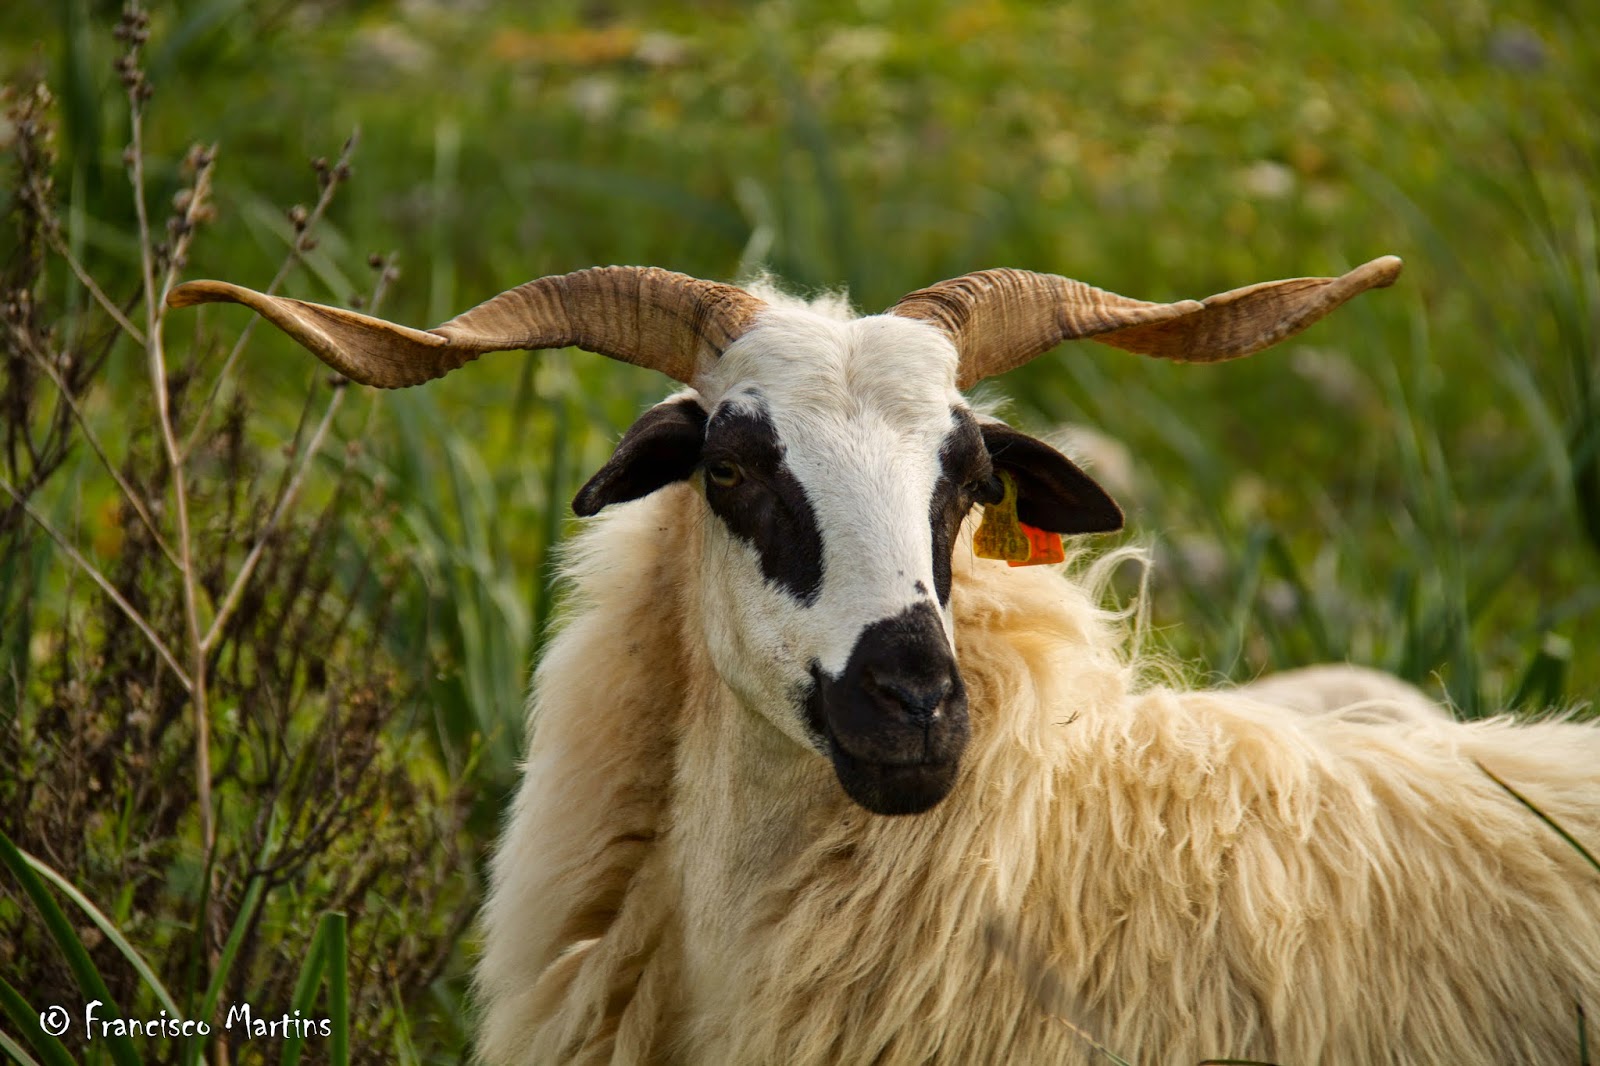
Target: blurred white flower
(1267, 180)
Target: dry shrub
(294, 782)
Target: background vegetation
(364, 579)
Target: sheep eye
(724, 475)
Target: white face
(838, 461)
(859, 413)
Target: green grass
(1414, 484)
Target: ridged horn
(641, 315)
(1000, 319)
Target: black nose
(915, 694)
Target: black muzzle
(895, 721)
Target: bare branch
(128, 492)
(110, 308)
(291, 492)
(134, 29)
(100, 579)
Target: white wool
(1176, 874)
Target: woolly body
(1181, 874)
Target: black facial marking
(963, 466)
(1052, 493)
(767, 508)
(660, 448)
(894, 722)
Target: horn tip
(1383, 270)
(202, 292)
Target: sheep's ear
(662, 447)
(1052, 493)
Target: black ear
(660, 448)
(1052, 493)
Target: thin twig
(134, 29)
(132, 497)
(196, 207)
(290, 492)
(99, 295)
(334, 177)
(100, 579)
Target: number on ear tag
(1002, 535)
(999, 535)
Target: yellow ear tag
(1002, 535)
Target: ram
(815, 777)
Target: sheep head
(837, 459)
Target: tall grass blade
(336, 964)
(550, 528)
(446, 194)
(178, 43)
(405, 1049)
(1305, 598)
(230, 949)
(326, 962)
(12, 1048)
(1242, 614)
(27, 1020)
(1543, 817)
(305, 988)
(1544, 682)
(21, 571)
(83, 968)
(111, 932)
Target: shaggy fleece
(1173, 874)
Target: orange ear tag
(1002, 535)
(1046, 546)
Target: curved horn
(1000, 319)
(641, 315)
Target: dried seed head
(375, 261)
(197, 159)
(298, 217)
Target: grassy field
(1414, 484)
